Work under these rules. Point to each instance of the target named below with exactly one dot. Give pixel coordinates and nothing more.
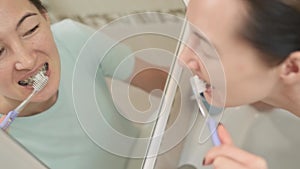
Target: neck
(289, 100)
(292, 106)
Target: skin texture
(228, 156)
(26, 43)
(249, 79)
(236, 55)
(245, 70)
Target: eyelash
(31, 31)
(1, 51)
(199, 44)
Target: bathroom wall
(99, 12)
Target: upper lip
(201, 77)
(32, 72)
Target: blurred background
(97, 13)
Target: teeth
(208, 86)
(30, 80)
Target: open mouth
(208, 87)
(29, 81)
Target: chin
(47, 93)
(215, 100)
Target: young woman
(49, 126)
(258, 42)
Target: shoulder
(70, 27)
(71, 34)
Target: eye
(205, 48)
(31, 31)
(1, 51)
(200, 44)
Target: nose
(25, 58)
(189, 59)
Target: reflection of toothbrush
(40, 81)
(199, 87)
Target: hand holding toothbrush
(225, 155)
(228, 156)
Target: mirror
(110, 57)
(113, 112)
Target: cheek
(48, 52)
(246, 86)
(8, 85)
(43, 42)
(5, 80)
(44, 45)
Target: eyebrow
(204, 39)
(23, 18)
(200, 36)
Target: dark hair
(38, 4)
(273, 27)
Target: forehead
(217, 18)
(12, 10)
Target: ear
(290, 69)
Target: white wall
(97, 13)
(71, 7)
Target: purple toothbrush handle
(9, 118)
(213, 129)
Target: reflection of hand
(228, 156)
(2, 117)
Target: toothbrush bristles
(40, 81)
(198, 85)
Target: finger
(236, 154)
(224, 135)
(222, 162)
(2, 118)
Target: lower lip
(48, 72)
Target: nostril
(25, 63)
(194, 65)
(21, 66)
(18, 66)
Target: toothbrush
(198, 87)
(212, 127)
(40, 81)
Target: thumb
(224, 135)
